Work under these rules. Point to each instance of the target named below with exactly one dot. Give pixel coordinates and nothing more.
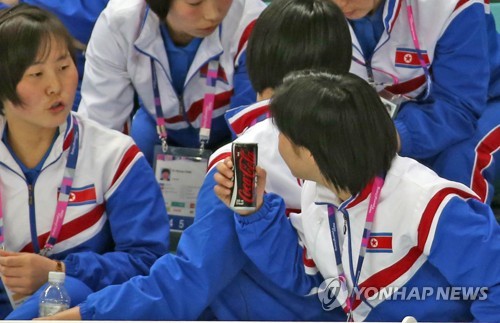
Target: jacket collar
(325, 196)
(68, 130)
(62, 143)
(241, 118)
(392, 9)
(150, 43)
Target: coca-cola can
(245, 162)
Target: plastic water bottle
(54, 298)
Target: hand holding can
(244, 166)
(237, 180)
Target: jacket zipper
(345, 222)
(31, 203)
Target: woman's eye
(194, 4)
(36, 74)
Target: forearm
(470, 226)
(138, 226)
(107, 90)
(460, 78)
(272, 244)
(180, 286)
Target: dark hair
(159, 7)
(292, 35)
(25, 32)
(341, 120)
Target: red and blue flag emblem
(380, 242)
(406, 57)
(82, 195)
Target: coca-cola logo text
(246, 165)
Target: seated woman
(384, 237)
(75, 197)
(185, 60)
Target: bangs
(45, 44)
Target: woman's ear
(265, 94)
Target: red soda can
(244, 162)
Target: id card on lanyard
(61, 207)
(180, 171)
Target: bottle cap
(56, 276)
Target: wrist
(60, 267)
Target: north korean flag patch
(82, 195)
(380, 242)
(406, 57)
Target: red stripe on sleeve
(484, 156)
(388, 275)
(307, 261)
(126, 160)
(217, 159)
(460, 3)
(240, 124)
(430, 211)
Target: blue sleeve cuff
(86, 312)
(269, 206)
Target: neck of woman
(376, 4)
(180, 39)
(265, 94)
(341, 194)
(30, 145)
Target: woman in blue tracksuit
(176, 56)
(75, 196)
(388, 236)
(79, 17)
(443, 55)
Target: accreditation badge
(180, 172)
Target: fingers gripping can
(244, 162)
